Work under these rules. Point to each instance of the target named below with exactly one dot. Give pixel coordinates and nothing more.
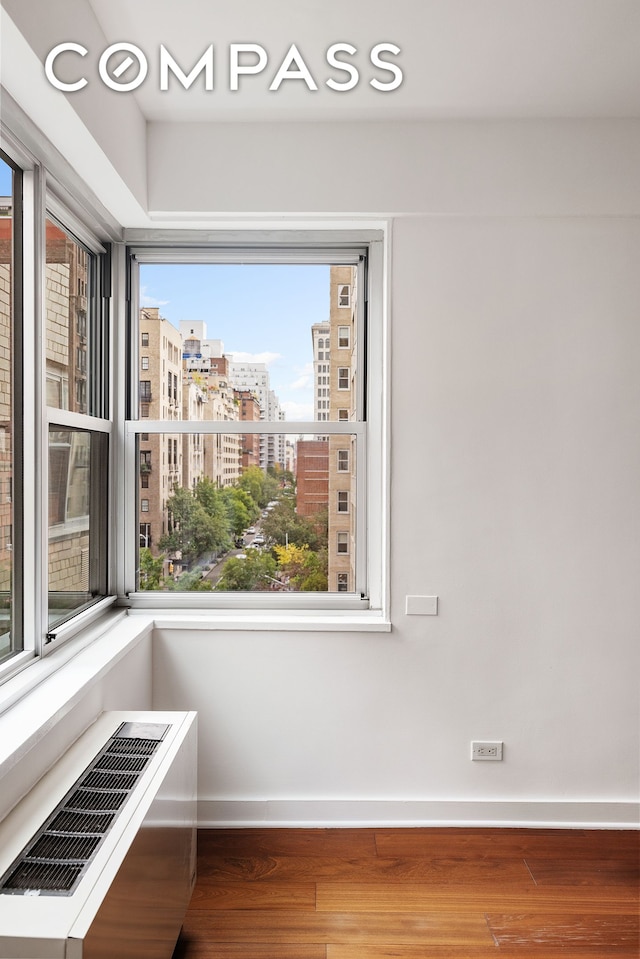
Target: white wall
(515, 465)
(112, 673)
(515, 468)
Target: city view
(229, 502)
(240, 508)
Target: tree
(283, 525)
(306, 570)
(212, 500)
(193, 581)
(241, 508)
(194, 532)
(255, 571)
(262, 487)
(150, 569)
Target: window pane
(282, 346)
(9, 642)
(77, 527)
(277, 331)
(69, 270)
(208, 521)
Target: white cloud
(266, 357)
(296, 412)
(146, 300)
(305, 380)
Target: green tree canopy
(194, 532)
(251, 572)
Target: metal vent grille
(54, 860)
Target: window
(344, 337)
(144, 339)
(54, 350)
(144, 362)
(11, 632)
(343, 582)
(274, 474)
(344, 295)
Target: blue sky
(5, 179)
(264, 312)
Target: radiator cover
(129, 898)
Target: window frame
(44, 198)
(368, 253)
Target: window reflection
(7, 205)
(66, 302)
(76, 521)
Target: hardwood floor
(414, 894)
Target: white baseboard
(320, 814)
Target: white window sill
(260, 619)
(35, 699)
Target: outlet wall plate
(486, 751)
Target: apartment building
(249, 409)
(312, 476)
(246, 375)
(343, 382)
(160, 397)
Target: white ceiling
(460, 58)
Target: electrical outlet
(484, 750)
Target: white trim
(319, 814)
(267, 620)
(68, 419)
(293, 427)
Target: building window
(344, 295)
(144, 362)
(343, 461)
(342, 542)
(343, 501)
(344, 337)
(343, 415)
(144, 505)
(342, 580)
(344, 378)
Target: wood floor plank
(569, 931)
(253, 895)
(287, 842)
(425, 951)
(263, 926)
(417, 897)
(319, 868)
(196, 949)
(509, 843)
(585, 872)
(414, 894)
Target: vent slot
(32, 878)
(64, 846)
(54, 860)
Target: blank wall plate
(422, 606)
